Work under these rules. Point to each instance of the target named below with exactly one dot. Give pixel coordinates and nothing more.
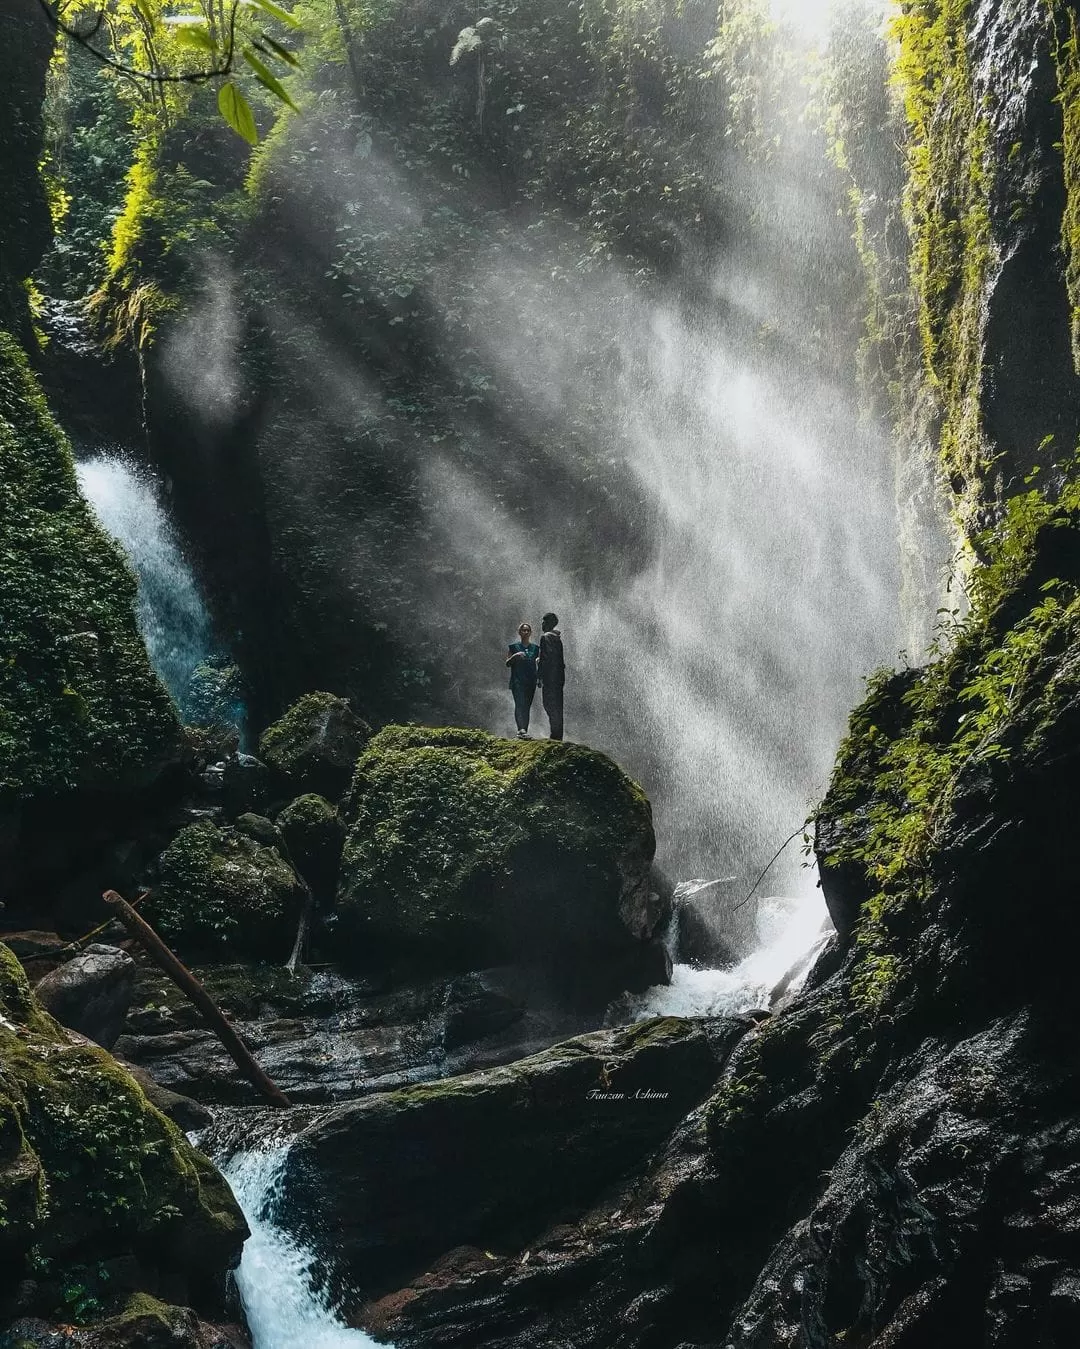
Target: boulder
(143, 1322)
(220, 891)
(465, 851)
(259, 828)
(93, 1177)
(315, 745)
(314, 836)
(489, 1158)
(91, 994)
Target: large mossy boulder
(219, 891)
(315, 745)
(465, 851)
(489, 1158)
(92, 1177)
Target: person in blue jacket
(522, 656)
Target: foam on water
(789, 931)
(277, 1275)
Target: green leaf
(283, 14)
(146, 9)
(267, 80)
(236, 110)
(191, 31)
(282, 53)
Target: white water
(277, 1274)
(170, 611)
(789, 931)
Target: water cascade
(170, 610)
(276, 1277)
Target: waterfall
(170, 610)
(277, 1274)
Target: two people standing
(540, 666)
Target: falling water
(789, 933)
(277, 1277)
(171, 614)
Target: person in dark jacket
(522, 657)
(552, 674)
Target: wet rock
(492, 1157)
(245, 784)
(91, 994)
(90, 1173)
(313, 748)
(219, 890)
(696, 915)
(465, 850)
(258, 827)
(476, 1009)
(327, 1037)
(144, 1323)
(314, 835)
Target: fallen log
(182, 977)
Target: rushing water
(171, 614)
(277, 1277)
(790, 931)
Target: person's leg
(528, 694)
(521, 708)
(553, 708)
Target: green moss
(79, 704)
(1067, 58)
(219, 891)
(88, 1168)
(947, 204)
(315, 745)
(456, 833)
(997, 689)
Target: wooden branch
(160, 954)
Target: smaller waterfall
(790, 933)
(171, 614)
(284, 1308)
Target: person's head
(525, 632)
(550, 622)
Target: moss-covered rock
(315, 745)
(219, 891)
(80, 708)
(468, 850)
(490, 1157)
(90, 1171)
(314, 836)
(143, 1322)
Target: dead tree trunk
(160, 954)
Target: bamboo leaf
(191, 31)
(278, 13)
(236, 110)
(282, 53)
(267, 80)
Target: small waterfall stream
(170, 609)
(276, 1277)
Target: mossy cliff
(990, 201)
(464, 850)
(100, 1195)
(82, 717)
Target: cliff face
(990, 203)
(84, 722)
